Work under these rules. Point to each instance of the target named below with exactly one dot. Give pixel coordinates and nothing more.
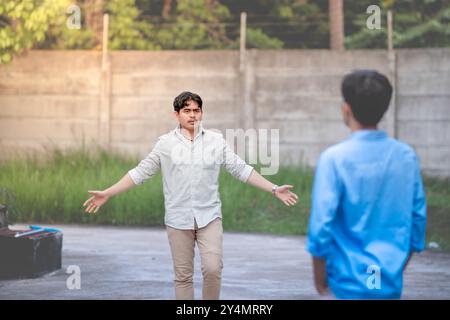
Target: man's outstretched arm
(99, 198)
(136, 176)
(281, 192)
(245, 173)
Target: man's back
(368, 214)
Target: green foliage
(26, 22)
(59, 36)
(256, 38)
(215, 24)
(127, 31)
(304, 24)
(196, 26)
(417, 23)
(296, 23)
(428, 28)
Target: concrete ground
(135, 263)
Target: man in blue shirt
(368, 206)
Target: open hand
(94, 203)
(284, 194)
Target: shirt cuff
(245, 174)
(316, 251)
(134, 175)
(418, 247)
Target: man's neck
(355, 126)
(188, 133)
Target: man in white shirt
(190, 158)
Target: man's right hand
(94, 203)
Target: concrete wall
(423, 100)
(54, 97)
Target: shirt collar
(365, 134)
(201, 130)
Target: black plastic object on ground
(3, 217)
(28, 256)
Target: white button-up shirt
(190, 172)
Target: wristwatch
(274, 189)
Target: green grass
(438, 200)
(53, 191)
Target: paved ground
(135, 263)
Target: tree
(167, 6)
(224, 26)
(256, 38)
(336, 12)
(127, 30)
(25, 23)
(94, 17)
(215, 24)
(86, 35)
(296, 23)
(421, 23)
(416, 24)
(197, 25)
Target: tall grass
(54, 190)
(438, 200)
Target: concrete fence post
(247, 79)
(104, 124)
(242, 43)
(247, 91)
(392, 66)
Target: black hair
(183, 98)
(368, 93)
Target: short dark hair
(368, 93)
(183, 98)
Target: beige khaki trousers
(209, 242)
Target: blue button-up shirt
(368, 214)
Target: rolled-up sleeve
(148, 167)
(325, 202)
(419, 214)
(237, 167)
